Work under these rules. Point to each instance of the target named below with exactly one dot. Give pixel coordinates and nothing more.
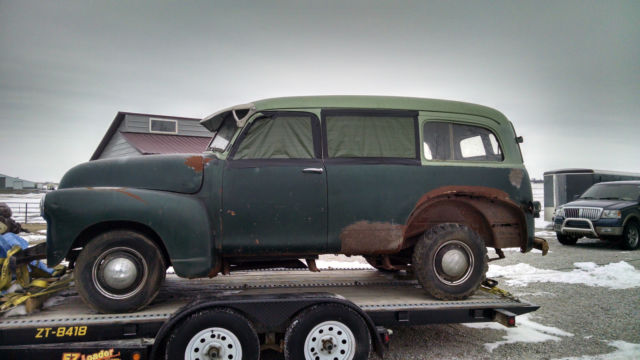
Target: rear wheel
(214, 334)
(631, 236)
(566, 239)
(119, 271)
(327, 332)
(450, 261)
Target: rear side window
(370, 136)
(449, 141)
(278, 137)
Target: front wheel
(450, 261)
(631, 236)
(327, 332)
(119, 271)
(566, 239)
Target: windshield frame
(228, 122)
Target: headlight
(559, 212)
(611, 214)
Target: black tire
(333, 320)
(214, 329)
(566, 239)
(376, 262)
(458, 243)
(138, 252)
(631, 236)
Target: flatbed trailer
(272, 302)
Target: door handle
(313, 170)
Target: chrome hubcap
(214, 343)
(632, 235)
(330, 340)
(119, 273)
(453, 263)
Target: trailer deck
(390, 300)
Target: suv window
(370, 136)
(278, 137)
(449, 141)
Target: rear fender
(181, 222)
(489, 212)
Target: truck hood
(180, 173)
(605, 204)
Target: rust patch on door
(197, 163)
(364, 238)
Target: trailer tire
(119, 271)
(566, 239)
(450, 261)
(327, 331)
(223, 331)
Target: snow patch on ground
(624, 351)
(620, 275)
(526, 331)
(32, 238)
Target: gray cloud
(566, 73)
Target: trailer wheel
(450, 261)
(566, 239)
(327, 332)
(119, 271)
(213, 334)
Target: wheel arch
(631, 217)
(97, 229)
(489, 212)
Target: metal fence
(26, 212)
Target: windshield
(612, 192)
(223, 136)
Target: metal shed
(134, 134)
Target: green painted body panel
(181, 221)
(204, 207)
(177, 173)
(272, 209)
(388, 193)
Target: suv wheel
(450, 261)
(119, 271)
(566, 239)
(631, 236)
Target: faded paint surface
(364, 238)
(515, 177)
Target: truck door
(274, 187)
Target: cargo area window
(370, 136)
(449, 141)
(277, 137)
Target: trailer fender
(268, 313)
(179, 222)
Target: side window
(449, 141)
(370, 136)
(278, 137)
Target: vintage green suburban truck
(418, 184)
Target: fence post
(26, 211)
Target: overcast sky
(566, 73)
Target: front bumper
(589, 228)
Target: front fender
(181, 221)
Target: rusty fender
(489, 212)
